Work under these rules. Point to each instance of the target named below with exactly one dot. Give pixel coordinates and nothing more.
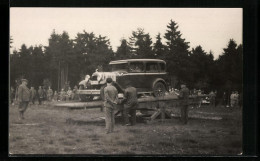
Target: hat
(109, 80)
(24, 80)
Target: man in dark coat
(23, 97)
(130, 104)
(184, 97)
(110, 95)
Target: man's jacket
(23, 93)
(110, 93)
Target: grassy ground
(47, 130)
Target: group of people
(130, 104)
(111, 101)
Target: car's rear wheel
(159, 89)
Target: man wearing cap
(110, 95)
(130, 104)
(184, 97)
(23, 97)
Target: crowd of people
(43, 95)
(128, 103)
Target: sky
(212, 28)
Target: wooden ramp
(157, 104)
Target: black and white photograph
(125, 81)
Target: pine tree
(159, 48)
(124, 50)
(140, 43)
(177, 56)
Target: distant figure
(62, 95)
(184, 97)
(74, 95)
(234, 99)
(23, 97)
(32, 95)
(212, 98)
(12, 95)
(49, 94)
(55, 96)
(40, 95)
(69, 94)
(110, 93)
(130, 104)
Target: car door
(137, 74)
(152, 73)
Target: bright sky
(209, 27)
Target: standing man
(49, 94)
(110, 93)
(32, 94)
(23, 97)
(184, 97)
(130, 104)
(212, 98)
(40, 95)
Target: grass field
(47, 130)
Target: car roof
(136, 60)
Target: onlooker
(55, 96)
(212, 99)
(32, 95)
(49, 94)
(12, 95)
(130, 104)
(110, 93)
(40, 95)
(234, 99)
(23, 97)
(44, 95)
(74, 95)
(62, 95)
(69, 94)
(184, 96)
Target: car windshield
(119, 67)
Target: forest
(44, 65)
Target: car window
(162, 66)
(119, 67)
(152, 67)
(136, 67)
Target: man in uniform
(23, 97)
(184, 97)
(110, 95)
(130, 104)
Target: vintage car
(146, 75)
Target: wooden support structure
(157, 104)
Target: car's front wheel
(159, 89)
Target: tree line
(80, 56)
